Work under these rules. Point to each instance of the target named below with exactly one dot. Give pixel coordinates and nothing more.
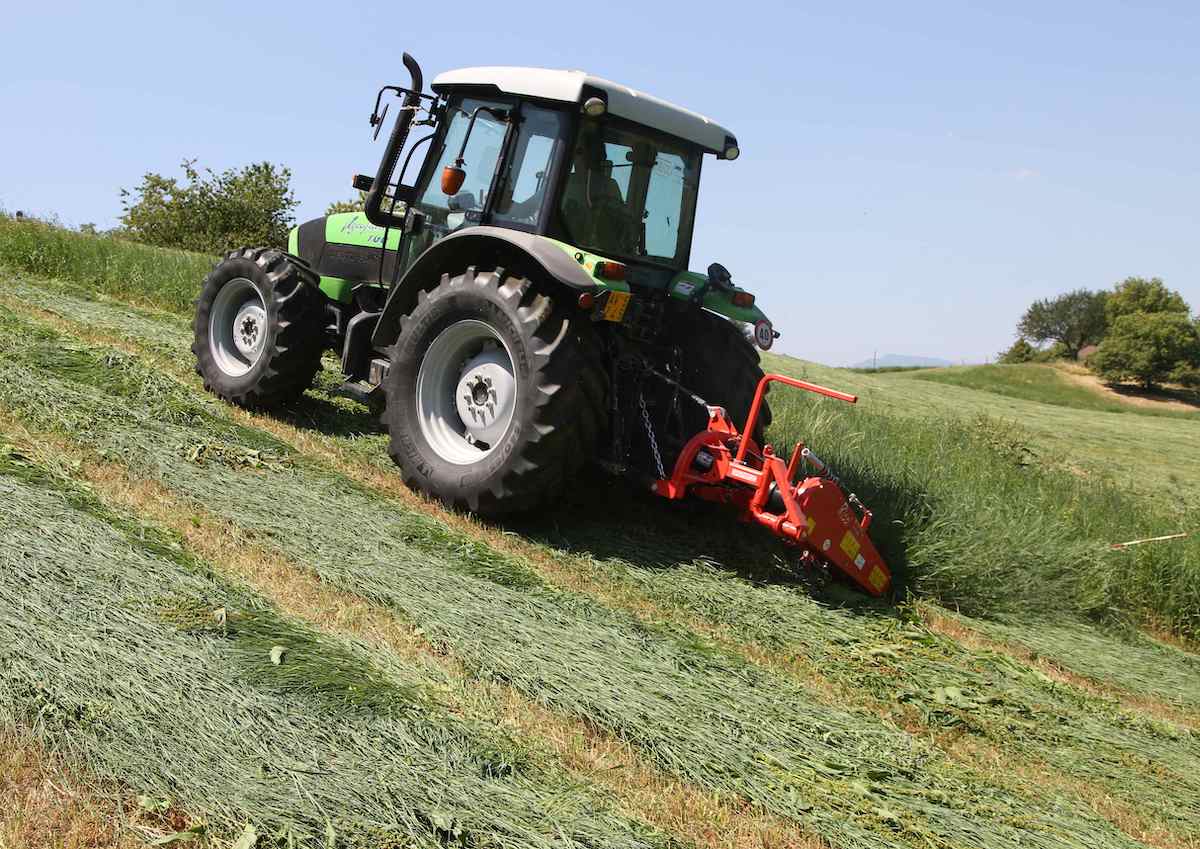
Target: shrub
(1020, 352)
(211, 212)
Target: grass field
(1044, 383)
(618, 672)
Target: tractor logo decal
(357, 225)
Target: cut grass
(1043, 383)
(685, 705)
(208, 697)
(337, 417)
(702, 819)
(46, 803)
(731, 601)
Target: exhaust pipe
(373, 208)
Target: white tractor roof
(567, 86)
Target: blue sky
(912, 175)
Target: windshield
(631, 193)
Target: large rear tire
(494, 393)
(258, 328)
(722, 366)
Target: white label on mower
(685, 288)
(860, 562)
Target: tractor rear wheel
(258, 328)
(722, 366)
(492, 400)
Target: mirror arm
(391, 154)
(501, 115)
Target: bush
(1020, 352)
(211, 212)
(1148, 348)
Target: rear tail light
(743, 299)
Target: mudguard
(481, 246)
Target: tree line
(1144, 333)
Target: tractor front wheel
(494, 393)
(258, 332)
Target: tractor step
(362, 392)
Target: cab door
(511, 170)
(443, 214)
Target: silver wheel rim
(466, 392)
(237, 326)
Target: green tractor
(523, 307)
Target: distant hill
(902, 361)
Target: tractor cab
(579, 159)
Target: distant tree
(89, 229)
(1019, 352)
(1148, 348)
(1136, 294)
(1073, 320)
(211, 212)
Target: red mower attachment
(812, 514)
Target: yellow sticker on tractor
(850, 545)
(812, 524)
(878, 579)
(614, 307)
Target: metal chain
(658, 463)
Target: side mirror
(452, 179)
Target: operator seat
(594, 208)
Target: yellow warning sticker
(812, 525)
(850, 545)
(878, 579)
(614, 307)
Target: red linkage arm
(790, 381)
